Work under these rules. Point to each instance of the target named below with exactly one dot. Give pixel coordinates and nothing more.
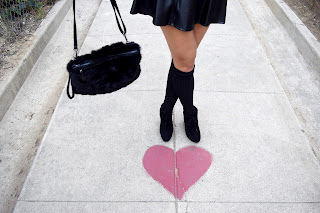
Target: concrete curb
(306, 42)
(42, 36)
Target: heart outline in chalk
(191, 162)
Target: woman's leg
(183, 47)
(199, 31)
(183, 44)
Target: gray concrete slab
(82, 156)
(89, 207)
(234, 63)
(259, 152)
(249, 207)
(298, 78)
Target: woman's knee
(184, 62)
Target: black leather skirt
(182, 14)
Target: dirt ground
(309, 13)
(12, 50)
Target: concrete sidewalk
(91, 157)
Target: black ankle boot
(191, 125)
(166, 126)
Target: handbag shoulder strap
(115, 9)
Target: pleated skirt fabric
(182, 14)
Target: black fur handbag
(106, 70)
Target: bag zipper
(88, 65)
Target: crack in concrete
(176, 173)
(175, 167)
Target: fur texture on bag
(105, 70)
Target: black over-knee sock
(171, 96)
(183, 84)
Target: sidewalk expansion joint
(220, 202)
(175, 167)
(90, 201)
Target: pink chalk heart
(176, 172)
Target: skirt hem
(175, 25)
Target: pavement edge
(306, 43)
(42, 35)
(304, 39)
